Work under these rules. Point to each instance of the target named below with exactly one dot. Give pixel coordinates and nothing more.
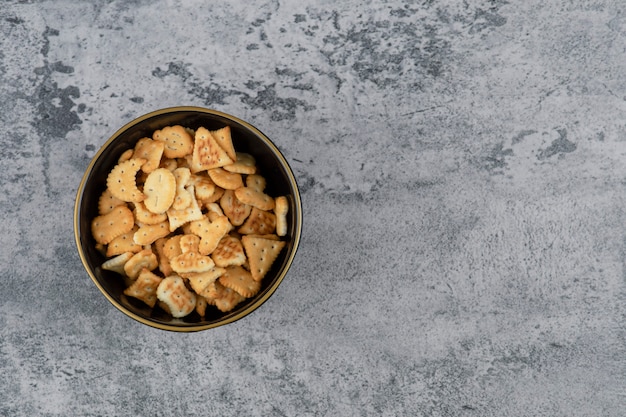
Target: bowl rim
(228, 319)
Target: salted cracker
(144, 288)
(233, 208)
(160, 190)
(177, 218)
(140, 260)
(116, 264)
(254, 198)
(207, 153)
(210, 232)
(151, 151)
(122, 180)
(226, 180)
(259, 222)
(281, 208)
(261, 253)
(182, 198)
(229, 251)
(107, 227)
(223, 137)
(178, 141)
(179, 300)
(123, 243)
(244, 164)
(107, 202)
(149, 233)
(238, 279)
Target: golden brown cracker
(244, 164)
(144, 288)
(200, 280)
(226, 180)
(191, 262)
(107, 202)
(140, 260)
(160, 190)
(149, 233)
(191, 213)
(281, 208)
(207, 153)
(224, 139)
(174, 293)
(259, 222)
(228, 300)
(182, 198)
(145, 216)
(238, 279)
(233, 208)
(254, 198)
(122, 180)
(178, 141)
(229, 251)
(256, 182)
(210, 233)
(151, 151)
(261, 254)
(107, 227)
(123, 243)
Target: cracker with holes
(240, 280)
(107, 227)
(233, 208)
(116, 264)
(210, 232)
(182, 198)
(123, 243)
(244, 164)
(229, 251)
(199, 281)
(281, 208)
(178, 141)
(122, 180)
(258, 223)
(261, 253)
(207, 153)
(191, 213)
(179, 300)
(151, 151)
(147, 234)
(140, 260)
(145, 216)
(160, 190)
(225, 179)
(224, 138)
(255, 198)
(107, 202)
(144, 288)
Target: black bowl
(246, 138)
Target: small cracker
(107, 227)
(123, 243)
(149, 233)
(258, 223)
(144, 288)
(201, 305)
(256, 182)
(244, 164)
(224, 138)
(182, 198)
(107, 202)
(172, 246)
(189, 243)
(192, 213)
(233, 208)
(229, 251)
(173, 293)
(178, 141)
(164, 261)
(122, 180)
(203, 186)
(210, 232)
(217, 195)
(145, 216)
(160, 190)
(229, 300)
(140, 260)
(226, 180)
(151, 151)
(261, 254)
(191, 262)
(125, 156)
(117, 263)
(281, 208)
(207, 153)
(200, 280)
(238, 279)
(254, 198)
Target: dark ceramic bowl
(246, 138)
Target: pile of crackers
(186, 221)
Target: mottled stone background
(462, 166)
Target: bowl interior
(272, 165)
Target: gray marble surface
(462, 167)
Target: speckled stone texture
(462, 168)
